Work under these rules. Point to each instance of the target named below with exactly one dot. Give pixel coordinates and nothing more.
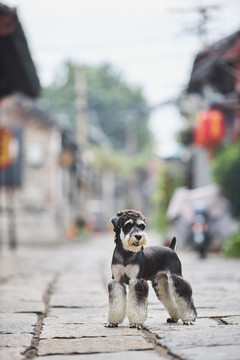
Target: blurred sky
(151, 42)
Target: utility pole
(134, 195)
(201, 27)
(12, 219)
(81, 108)
(81, 102)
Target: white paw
(186, 322)
(138, 326)
(111, 325)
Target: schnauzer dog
(133, 265)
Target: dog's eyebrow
(130, 221)
(140, 222)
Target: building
(30, 182)
(214, 84)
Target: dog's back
(160, 258)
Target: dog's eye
(141, 226)
(127, 227)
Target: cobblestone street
(54, 304)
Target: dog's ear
(115, 221)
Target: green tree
(226, 172)
(58, 97)
(120, 109)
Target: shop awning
(17, 70)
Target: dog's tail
(173, 243)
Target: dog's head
(129, 226)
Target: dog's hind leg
(117, 303)
(182, 293)
(163, 292)
(137, 302)
(176, 295)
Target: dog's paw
(172, 321)
(136, 326)
(188, 322)
(111, 325)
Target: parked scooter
(200, 230)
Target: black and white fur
(133, 265)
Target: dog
(133, 265)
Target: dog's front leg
(117, 303)
(137, 302)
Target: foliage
(105, 158)
(232, 246)
(58, 97)
(121, 110)
(226, 172)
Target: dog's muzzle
(138, 239)
(134, 242)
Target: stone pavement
(53, 306)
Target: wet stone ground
(54, 303)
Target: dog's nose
(138, 237)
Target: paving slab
(129, 355)
(11, 353)
(216, 312)
(230, 352)
(84, 330)
(231, 320)
(77, 316)
(188, 337)
(21, 306)
(21, 292)
(89, 345)
(78, 300)
(156, 325)
(15, 340)
(11, 323)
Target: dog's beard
(129, 241)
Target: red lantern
(209, 128)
